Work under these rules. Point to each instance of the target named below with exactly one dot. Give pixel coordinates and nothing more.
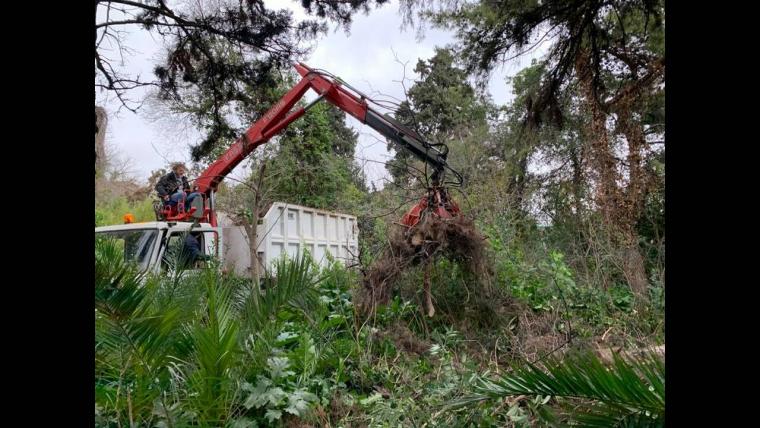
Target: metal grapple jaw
(437, 202)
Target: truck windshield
(136, 244)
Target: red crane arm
(259, 133)
(280, 116)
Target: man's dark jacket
(191, 252)
(170, 184)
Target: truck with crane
(151, 244)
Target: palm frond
(132, 338)
(125, 319)
(628, 391)
(293, 286)
(214, 340)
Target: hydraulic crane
(331, 89)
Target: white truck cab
(285, 229)
(154, 245)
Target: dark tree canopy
(339, 11)
(441, 105)
(344, 139)
(223, 57)
(315, 161)
(622, 39)
(212, 48)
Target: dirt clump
(456, 239)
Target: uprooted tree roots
(456, 239)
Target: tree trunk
(429, 309)
(252, 230)
(620, 210)
(634, 270)
(101, 121)
(522, 172)
(517, 184)
(601, 155)
(575, 159)
(633, 204)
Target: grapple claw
(437, 202)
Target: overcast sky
(364, 58)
